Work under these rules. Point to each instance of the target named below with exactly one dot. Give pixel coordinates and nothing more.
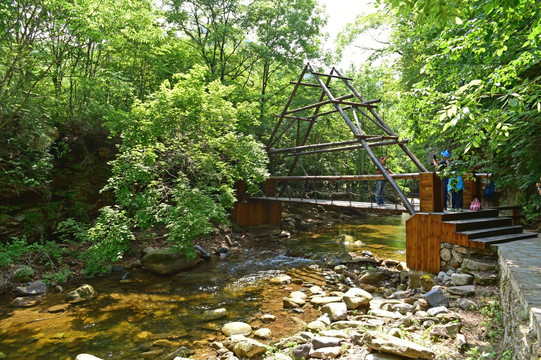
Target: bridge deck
(399, 208)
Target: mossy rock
(427, 282)
(169, 261)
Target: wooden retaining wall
(424, 234)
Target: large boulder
(389, 344)
(169, 261)
(355, 298)
(336, 311)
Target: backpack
(475, 205)
(489, 189)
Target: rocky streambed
(291, 304)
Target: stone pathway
(523, 260)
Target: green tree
(180, 159)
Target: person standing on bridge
(440, 166)
(380, 184)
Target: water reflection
(146, 313)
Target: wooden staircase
(476, 229)
(485, 226)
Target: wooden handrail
(343, 177)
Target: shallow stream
(140, 314)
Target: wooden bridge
(418, 194)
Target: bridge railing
(358, 190)
(426, 187)
(422, 189)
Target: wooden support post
(241, 189)
(270, 187)
(471, 191)
(430, 192)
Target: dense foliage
(469, 81)
(180, 95)
(184, 88)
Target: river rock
(326, 353)
(448, 330)
(58, 308)
(152, 354)
(319, 342)
(248, 348)
(437, 310)
(285, 343)
(385, 314)
(298, 294)
(466, 304)
(461, 279)
(436, 297)
(382, 356)
(82, 293)
(345, 239)
(263, 333)
(292, 303)
(335, 333)
(336, 311)
(26, 301)
(464, 290)
(205, 255)
(389, 344)
(35, 288)
(300, 352)
(443, 277)
(236, 328)
(215, 314)
(316, 326)
(372, 278)
(86, 357)
(267, 318)
(324, 300)
(169, 261)
(277, 356)
(355, 298)
(281, 279)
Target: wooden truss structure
(353, 104)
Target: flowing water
(140, 315)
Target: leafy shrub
(71, 231)
(48, 253)
(110, 237)
(59, 276)
(181, 156)
(12, 252)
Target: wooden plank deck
(398, 208)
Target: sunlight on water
(148, 313)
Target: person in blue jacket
(440, 166)
(456, 187)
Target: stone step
(506, 238)
(481, 223)
(493, 231)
